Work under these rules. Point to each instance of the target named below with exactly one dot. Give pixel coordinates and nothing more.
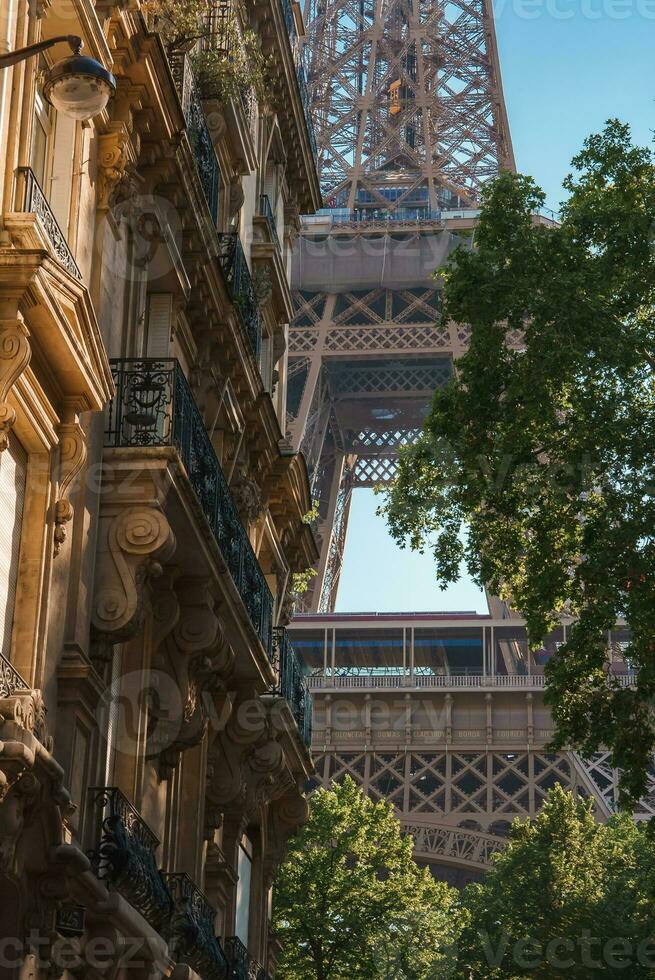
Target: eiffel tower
(443, 714)
(410, 122)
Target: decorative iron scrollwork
(291, 683)
(242, 289)
(36, 202)
(10, 680)
(125, 857)
(241, 965)
(191, 935)
(197, 131)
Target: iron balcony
(241, 287)
(154, 406)
(292, 684)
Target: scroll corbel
(15, 353)
(72, 456)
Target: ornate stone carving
(72, 455)
(286, 816)
(27, 710)
(115, 154)
(247, 495)
(236, 197)
(15, 353)
(192, 653)
(135, 544)
(246, 758)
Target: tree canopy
(568, 896)
(350, 903)
(536, 467)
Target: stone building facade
(154, 728)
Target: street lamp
(76, 86)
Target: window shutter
(13, 470)
(160, 315)
(62, 170)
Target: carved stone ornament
(194, 660)
(131, 549)
(114, 159)
(39, 869)
(247, 496)
(15, 353)
(72, 456)
(236, 197)
(246, 758)
(286, 815)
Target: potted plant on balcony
(227, 58)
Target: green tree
(351, 903)
(537, 465)
(568, 896)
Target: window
(13, 469)
(244, 870)
(41, 133)
(160, 317)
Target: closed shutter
(61, 181)
(160, 312)
(13, 468)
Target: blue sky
(567, 66)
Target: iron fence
(241, 965)
(125, 857)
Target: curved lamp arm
(13, 57)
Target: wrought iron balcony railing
(241, 965)
(306, 104)
(242, 290)
(266, 211)
(125, 857)
(292, 683)
(191, 935)
(197, 131)
(11, 682)
(34, 201)
(154, 406)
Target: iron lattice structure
(458, 803)
(410, 120)
(407, 101)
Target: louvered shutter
(62, 170)
(13, 469)
(160, 312)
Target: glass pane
(511, 650)
(308, 646)
(362, 651)
(448, 651)
(244, 867)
